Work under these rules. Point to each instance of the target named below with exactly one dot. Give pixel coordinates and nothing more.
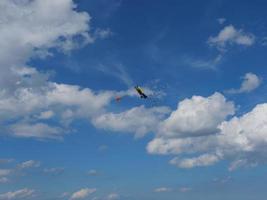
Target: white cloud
(68, 101)
(250, 82)
(203, 160)
(46, 114)
(165, 146)
(27, 97)
(103, 33)
(230, 35)
(27, 27)
(163, 189)
(197, 116)
(139, 120)
(246, 134)
(86, 101)
(19, 194)
(29, 164)
(38, 130)
(241, 140)
(28, 30)
(227, 37)
(82, 193)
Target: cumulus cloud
(70, 102)
(139, 120)
(240, 140)
(203, 160)
(229, 35)
(250, 82)
(27, 97)
(82, 193)
(197, 116)
(246, 134)
(28, 28)
(166, 146)
(18, 194)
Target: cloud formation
(250, 82)
(82, 193)
(240, 140)
(197, 116)
(29, 164)
(229, 35)
(199, 132)
(139, 120)
(27, 97)
(18, 194)
(203, 160)
(28, 29)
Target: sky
(200, 134)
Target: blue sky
(200, 134)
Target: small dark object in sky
(140, 92)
